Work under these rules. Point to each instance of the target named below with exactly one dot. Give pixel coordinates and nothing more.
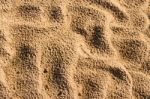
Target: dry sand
(74, 49)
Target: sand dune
(74, 49)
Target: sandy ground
(74, 49)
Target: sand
(74, 49)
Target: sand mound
(74, 49)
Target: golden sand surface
(74, 49)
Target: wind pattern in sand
(74, 49)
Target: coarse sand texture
(74, 49)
